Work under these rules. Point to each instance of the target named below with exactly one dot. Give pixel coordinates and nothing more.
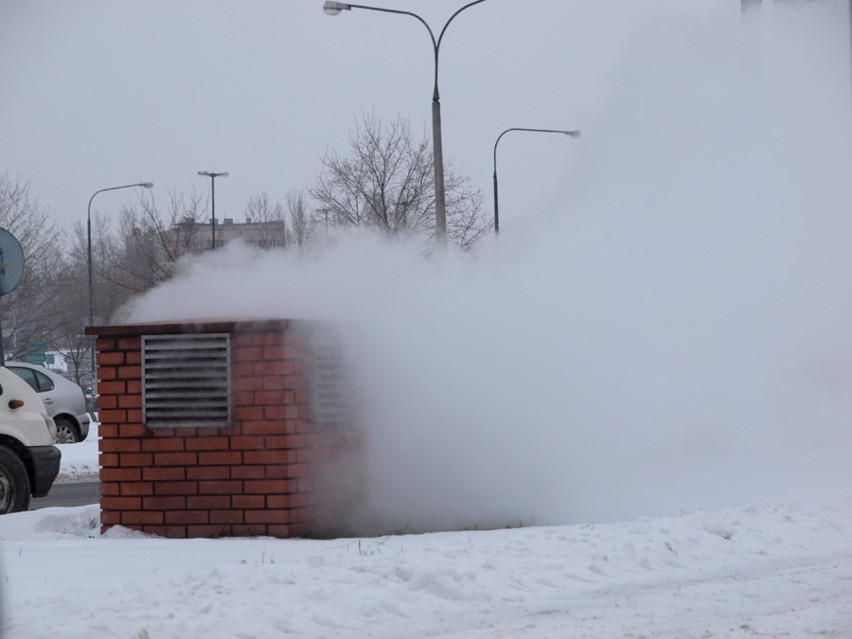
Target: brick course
(257, 476)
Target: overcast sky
(98, 93)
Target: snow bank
(780, 569)
(79, 461)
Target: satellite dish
(11, 262)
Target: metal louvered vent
(330, 399)
(186, 380)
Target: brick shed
(225, 428)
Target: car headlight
(51, 425)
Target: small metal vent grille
(186, 380)
(330, 397)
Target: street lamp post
(144, 185)
(213, 177)
(571, 134)
(333, 9)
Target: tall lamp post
(333, 9)
(213, 177)
(144, 185)
(571, 134)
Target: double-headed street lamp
(333, 9)
(144, 185)
(571, 134)
(213, 177)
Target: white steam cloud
(676, 333)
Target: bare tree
(278, 226)
(261, 209)
(70, 306)
(151, 242)
(29, 312)
(301, 225)
(142, 252)
(267, 224)
(386, 182)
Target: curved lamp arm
(334, 8)
(569, 133)
(144, 185)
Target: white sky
(110, 92)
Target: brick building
(225, 428)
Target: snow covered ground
(80, 461)
(781, 569)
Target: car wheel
(14, 483)
(66, 432)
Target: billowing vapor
(674, 333)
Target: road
(70, 494)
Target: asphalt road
(71, 494)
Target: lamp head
(147, 185)
(334, 8)
(572, 134)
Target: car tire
(66, 431)
(14, 483)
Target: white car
(63, 399)
(29, 462)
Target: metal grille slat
(186, 380)
(330, 399)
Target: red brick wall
(270, 472)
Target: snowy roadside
(80, 461)
(782, 569)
